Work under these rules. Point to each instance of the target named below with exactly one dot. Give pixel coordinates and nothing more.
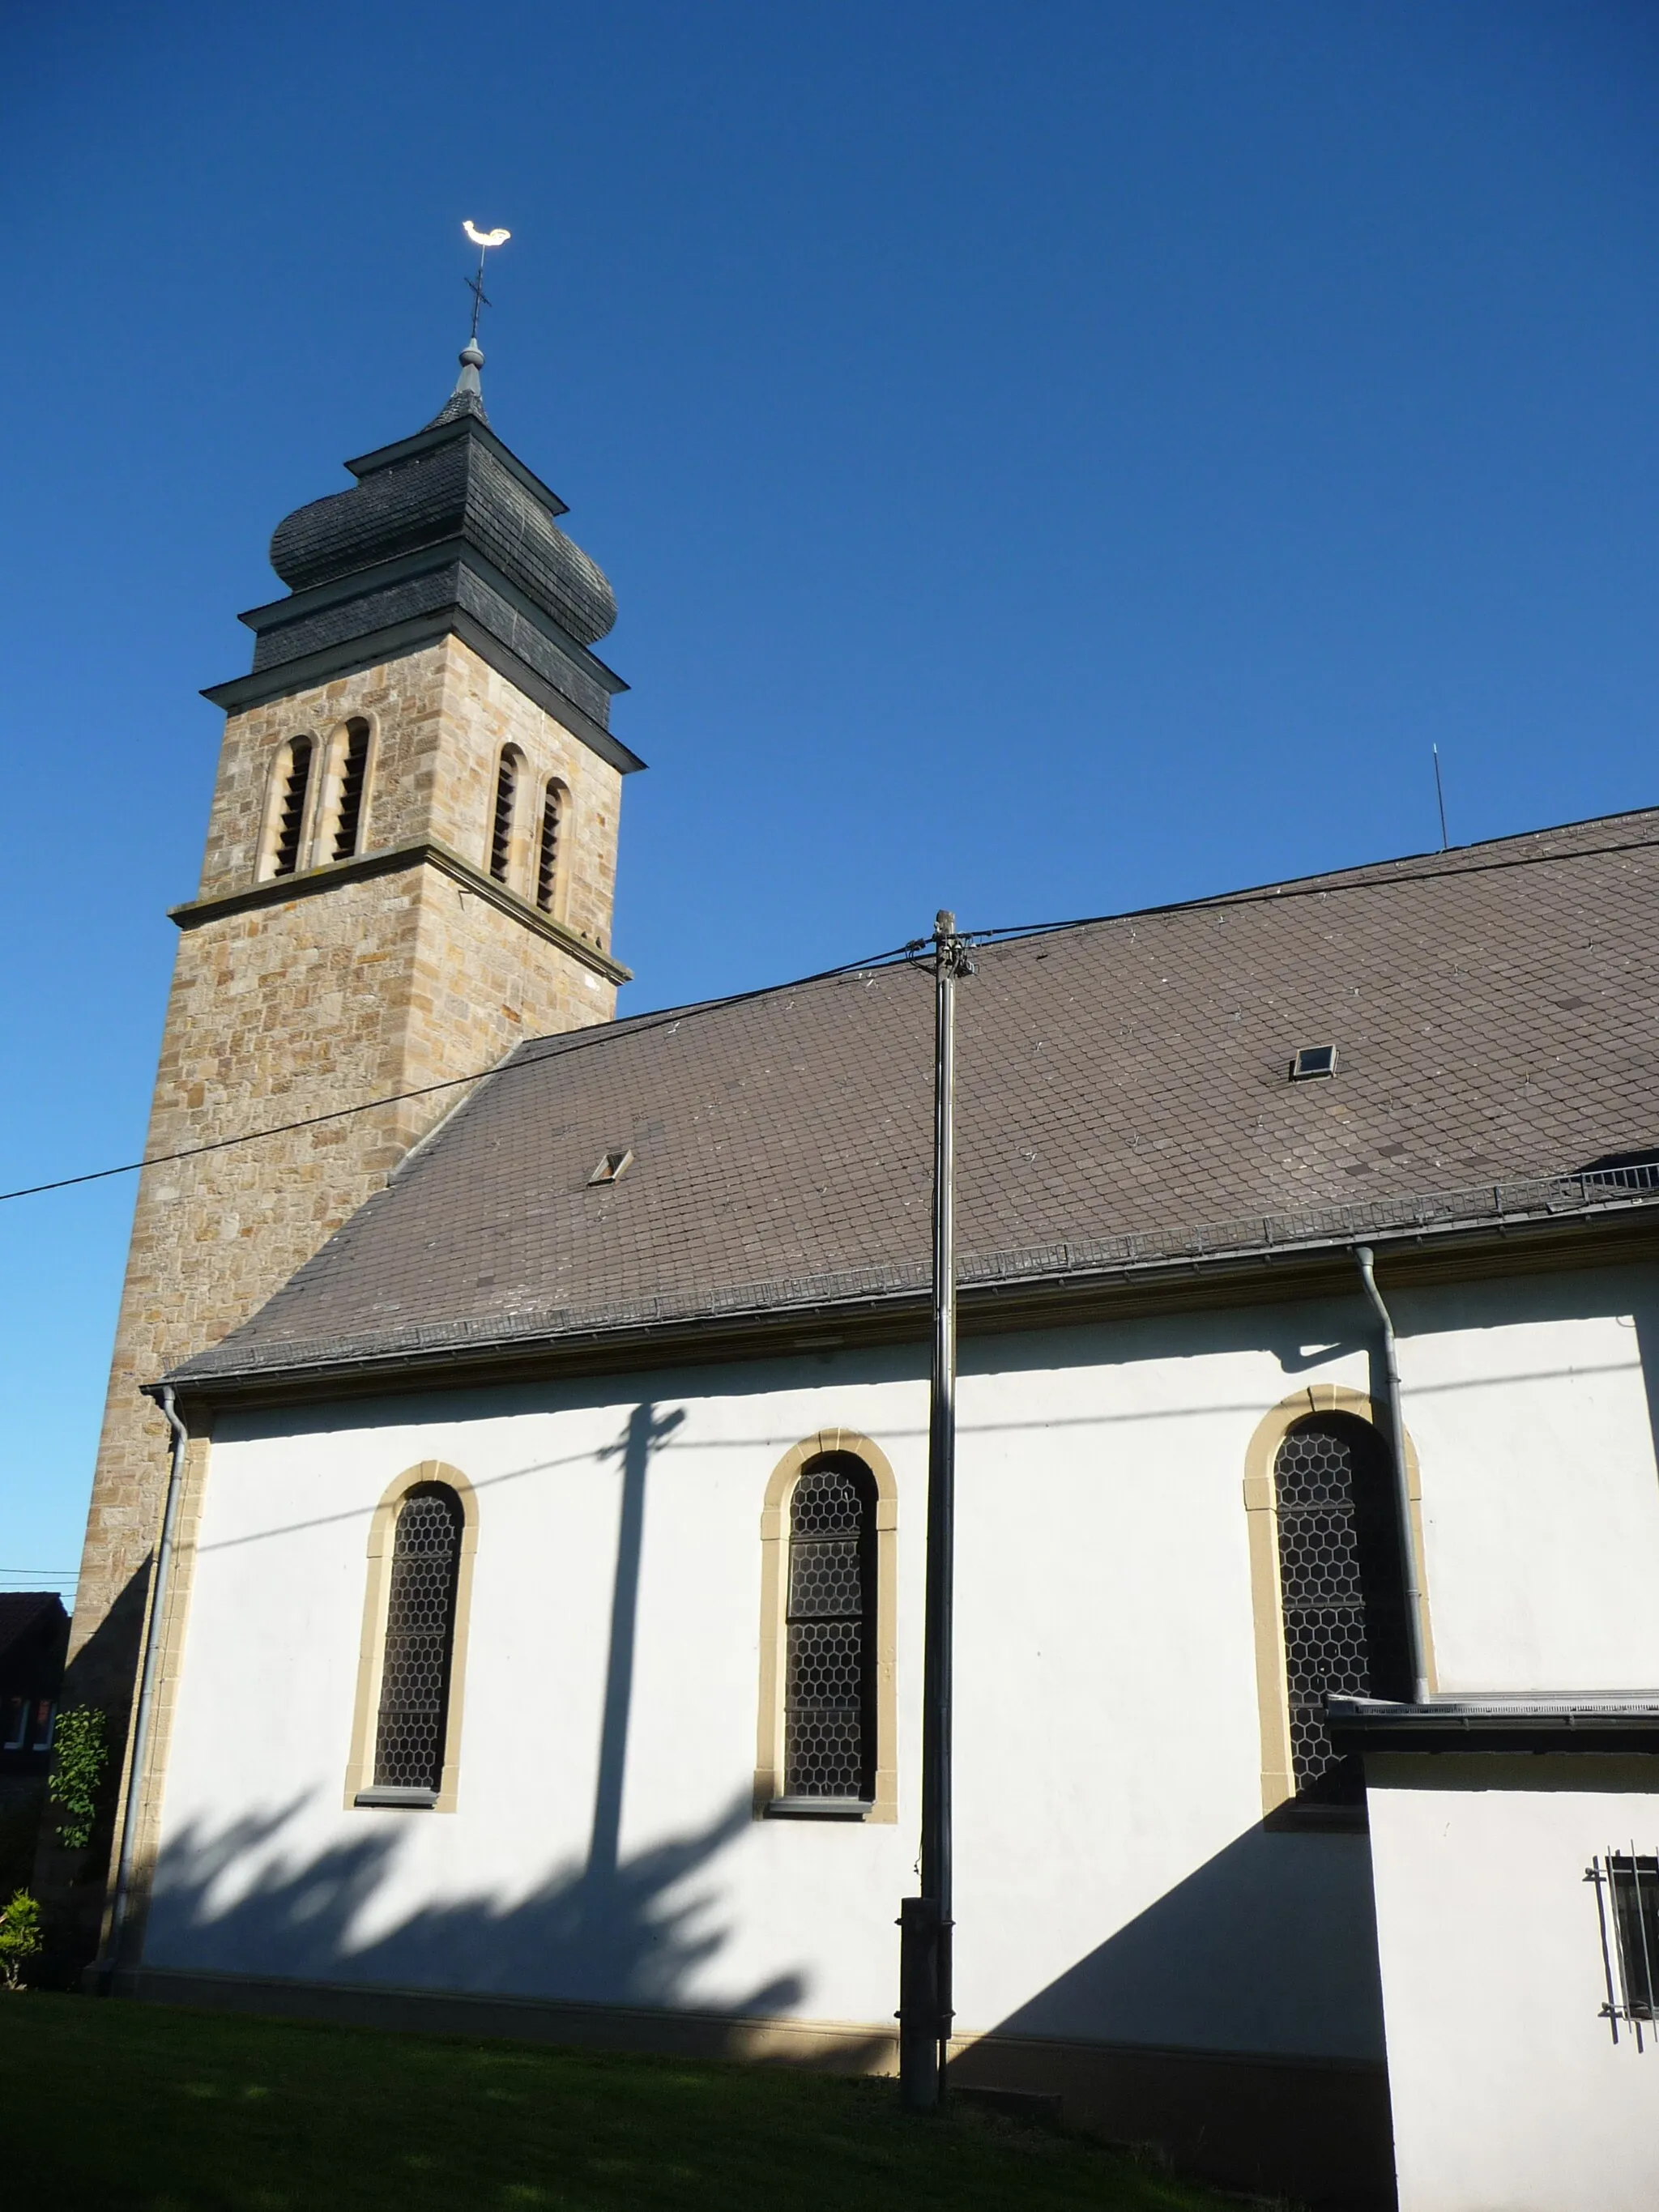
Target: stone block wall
(440, 719)
(360, 986)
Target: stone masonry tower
(411, 864)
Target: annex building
(541, 1650)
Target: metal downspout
(104, 1972)
(1402, 1488)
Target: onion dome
(446, 530)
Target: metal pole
(103, 1970)
(925, 1921)
(1416, 1653)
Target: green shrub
(20, 1939)
(80, 1753)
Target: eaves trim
(1275, 1274)
(393, 642)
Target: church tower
(410, 868)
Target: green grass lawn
(144, 2108)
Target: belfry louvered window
(348, 810)
(1340, 1589)
(501, 824)
(420, 1639)
(547, 859)
(290, 826)
(828, 1704)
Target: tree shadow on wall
(614, 1931)
(634, 1933)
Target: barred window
(1340, 1588)
(547, 863)
(349, 809)
(1629, 1883)
(420, 1637)
(288, 824)
(501, 823)
(830, 1732)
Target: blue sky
(1052, 457)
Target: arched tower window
(830, 1747)
(353, 772)
(1341, 1590)
(411, 1729)
(292, 787)
(547, 855)
(501, 821)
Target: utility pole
(925, 1921)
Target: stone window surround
(554, 787)
(322, 795)
(1261, 1512)
(382, 1528)
(773, 1628)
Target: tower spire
(467, 398)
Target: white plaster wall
(1541, 1500)
(1114, 1879)
(1507, 2090)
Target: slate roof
(21, 1611)
(461, 486)
(445, 532)
(1122, 1093)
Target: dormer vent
(612, 1166)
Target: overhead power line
(1003, 933)
(601, 1031)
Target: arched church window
(292, 787)
(412, 1725)
(501, 821)
(829, 1731)
(353, 772)
(547, 857)
(1341, 1586)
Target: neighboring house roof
(24, 1611)
(1123, 1096)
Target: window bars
(829, 1725)
(1340, 1589)
(420, 1635)
(1627, 1903)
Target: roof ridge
(1280, 886)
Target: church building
(539, 1651)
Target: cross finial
(484, 240)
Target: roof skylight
(1313, 1060)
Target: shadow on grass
(141, 2108)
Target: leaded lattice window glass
(1340, 1589)
(829, 1734)
(420, 1638)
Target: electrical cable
(571, 1041)
(1003, 933)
